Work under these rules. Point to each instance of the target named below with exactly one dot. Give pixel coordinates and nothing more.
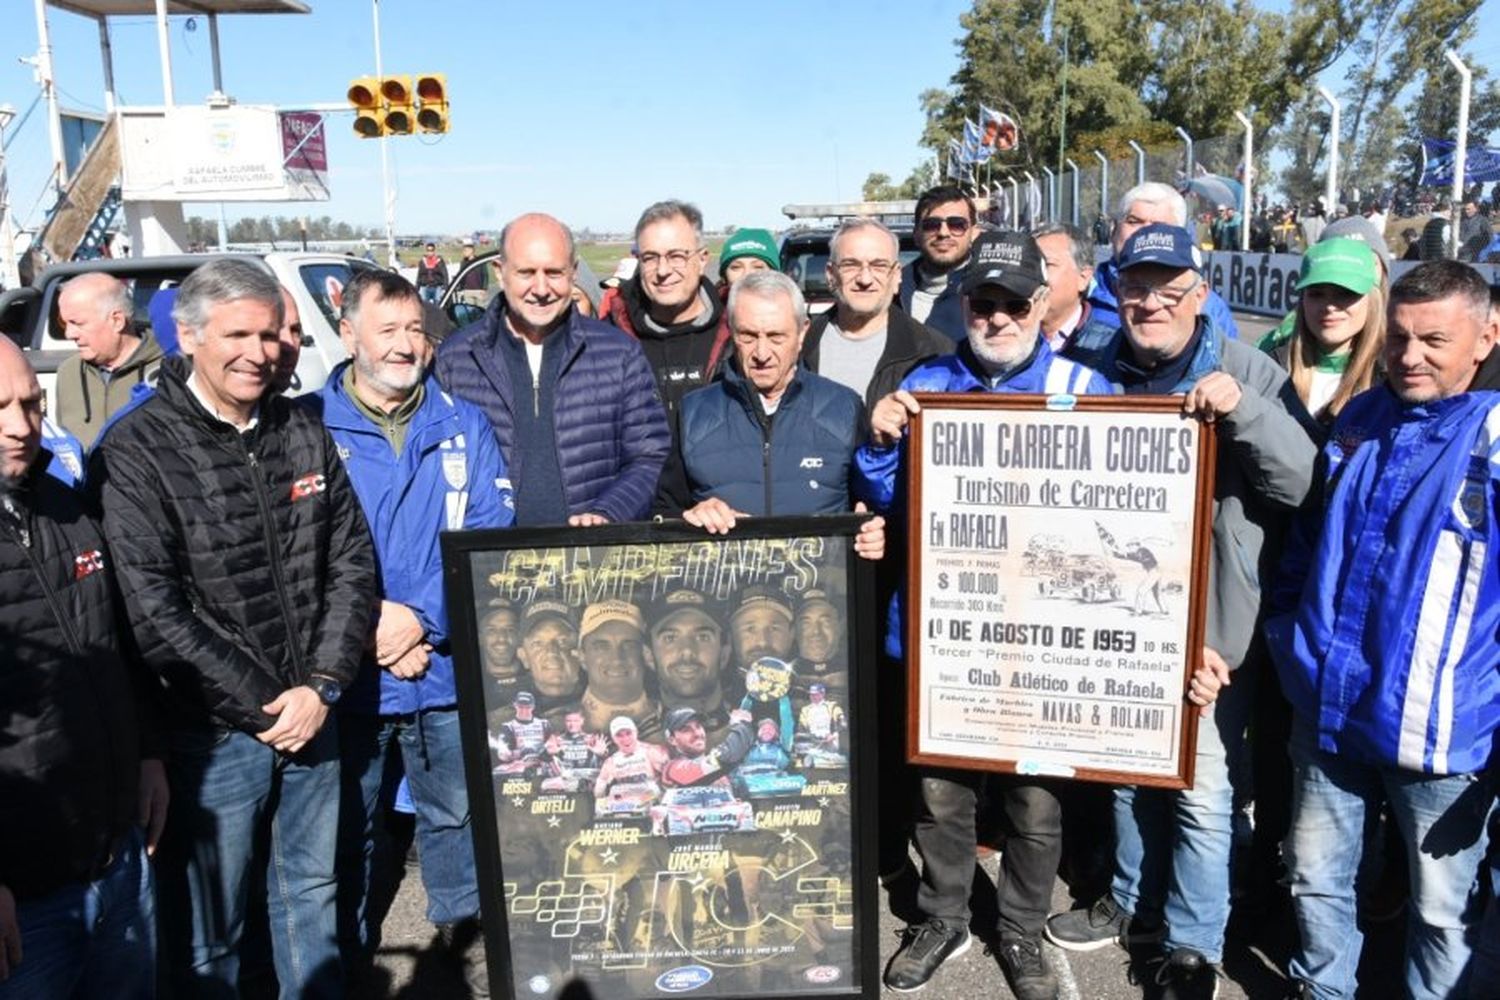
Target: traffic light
(399, 113)
(432, 92)
(364, 94)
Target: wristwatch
(328, 689)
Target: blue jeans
(227, 787)
(431, 293)
(1172, 848)
(434, 763)
(91, 939)
(1441, 819)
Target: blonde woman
(1332, 347)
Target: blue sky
(588, 110)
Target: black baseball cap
(1009, 259)
(679, 717)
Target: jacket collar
(900, 338)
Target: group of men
(222, 633)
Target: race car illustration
(1086, 577)
(700, 809)
(815, 753)
(627, 800)
(570, 779)
(761, 781)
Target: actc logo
(88, 563)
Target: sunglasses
(1015, 308)
(956, 224)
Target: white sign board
(239, 153)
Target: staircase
(78, 222)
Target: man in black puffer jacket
(248, 576)
(76, 776)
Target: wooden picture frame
(1058, 553)
(646, 872)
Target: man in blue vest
(421, 462)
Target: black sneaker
(1102, 924)
(1187, 975)
(925, 948)
(1025, 970)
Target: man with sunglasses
(1004, 298)
(930, 288)
(421, 462)
(1172, 848)
(864, 342)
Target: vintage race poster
(663, 736)
(1058, 555)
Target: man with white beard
(1004, 300)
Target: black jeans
(1028, 865)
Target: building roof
(121, 8)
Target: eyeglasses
(1167, 295)
(677, 260)
(854, 268)
(1014, 308)
(956, 224)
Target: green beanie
(750, 243)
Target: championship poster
(669, 758)
(1058, 565)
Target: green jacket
(86, 400)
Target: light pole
(1245, 182)
(10, 273)
(1331, 194)
(1140, 162)
(385, 161)
(1460, 150)
(1103, 183)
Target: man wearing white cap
(612, 641)
(633, 764)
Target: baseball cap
(760, 596)
(620, 723)
(817, 689)
(679, 601)
(679, 717)
(467, 242)
(815, 596)
(758, 243)
(1009, 259)
(523, 698)
(1357, 227)
(538, 610)
(603, 612)
(1159, 243)
(1344, 262)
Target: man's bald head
(96, 311)
(537, 261)
(20, 414)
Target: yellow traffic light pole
(385, 162)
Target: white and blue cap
(1159, 243)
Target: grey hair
(225, 279)
(664, 211)
(1080, 247)
(532, 216)
(1156, 193)
(766, 285)
(855, 225)
(110, 297)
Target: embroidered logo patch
(309, 485)
(88, 563)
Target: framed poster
(670, 756)
(1058, 562)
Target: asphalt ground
(410, 963)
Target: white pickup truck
(28, 315)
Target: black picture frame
(816, 932)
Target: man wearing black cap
(690, 654)
(691, 762)
(1004, 299)
(1263, 471)
(523, 739)
(549, 652)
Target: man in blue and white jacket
(421, 462)
(1383, 632)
